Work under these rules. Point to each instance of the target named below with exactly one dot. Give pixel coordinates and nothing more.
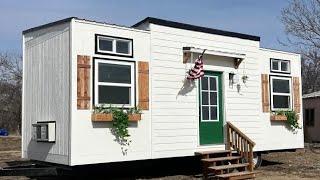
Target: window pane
(213, 111)
(213, 84)
(114, 95)
(281, 101)
(204, 83)
(213, 98)
(205, 113)
(114, 73)
(105, 44)
(275, 65)
(281, 86)
(205, 100)
(284, 66)
(122, 47)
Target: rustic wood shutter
(296, 94)
(83, 82)
(265, 93)
(143, 81)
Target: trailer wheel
(257, 160)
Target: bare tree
(10, 91)
(302, 25)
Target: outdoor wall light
(233, 78)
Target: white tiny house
(72, 65)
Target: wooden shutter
(83, 82)
(265, 93)
(143, 81)
(296, 94)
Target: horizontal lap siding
(46, 92)
(175, 114)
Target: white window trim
(114, 45)
(97, 83)
(217, 91)
(279, 66)
(280, 94)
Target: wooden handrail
(238, 141)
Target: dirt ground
(302, 164)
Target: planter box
(278, 118)
(134, 117)
(102, 117)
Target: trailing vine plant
(120, 122)
(292, 119)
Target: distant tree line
(10, 92)
(302, 25)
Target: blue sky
(254, 17)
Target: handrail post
(228, 138)
(250, 157)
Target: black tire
(257, 160)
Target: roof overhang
(189, 51)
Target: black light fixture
(231, 78)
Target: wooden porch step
(237, 175)
(228, 166)
(227, 158)
(212, 152)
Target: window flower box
(101, 117)
(134, 117)
(107, 117)
(278, 117)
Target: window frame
(280, 94)
(114, 46)
(279, 65)
(96, 83)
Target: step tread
(221, 158)
(242, 173)
(229, 166)
(212, 152)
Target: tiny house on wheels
(237, 104)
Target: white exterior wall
(46, 91)
(92, 142)
(175, 117)
(276, 135)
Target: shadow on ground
(144, 169)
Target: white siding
(93, 142)
(276, 134)
(46, 91)
(175, 114)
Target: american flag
(197, 70)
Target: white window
(113, 45)
(209, 98)
(281, 98)
(281, 66)
(114, 83)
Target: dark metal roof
(196, 28)
(160, 22)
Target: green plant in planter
(103, 108)
(134, 110)
(292, 120)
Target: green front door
(211, 109)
